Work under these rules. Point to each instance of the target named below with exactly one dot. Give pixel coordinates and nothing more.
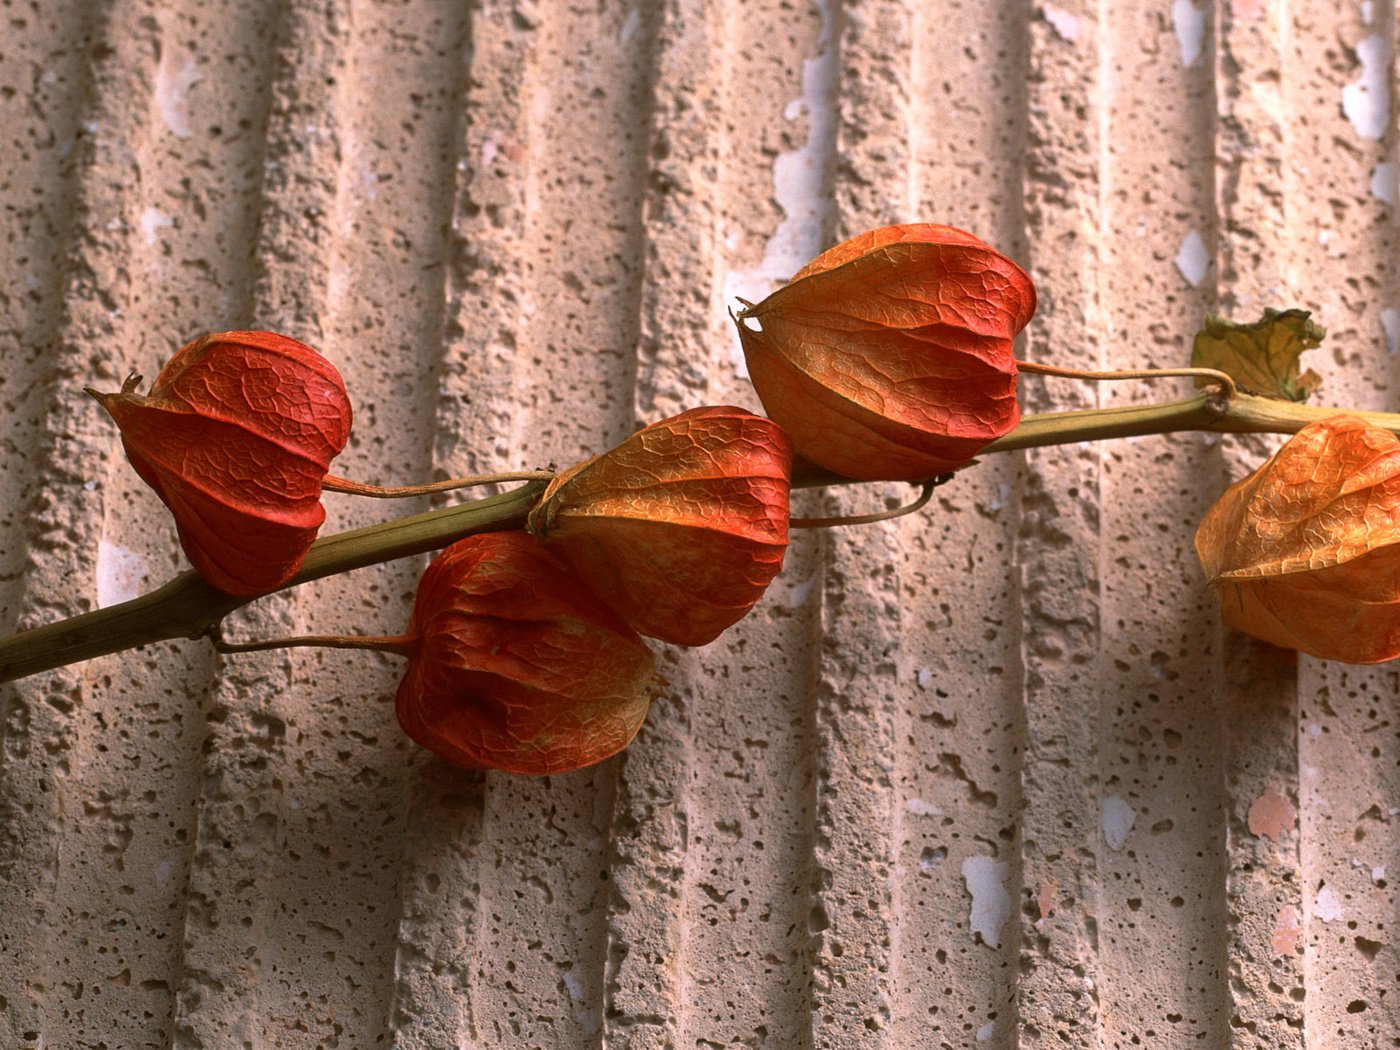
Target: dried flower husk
(889, 356)
(235, 436)
(1305, 552)
(682, 526)
(516, 665)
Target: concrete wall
(989, 776)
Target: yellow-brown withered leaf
(1305, 552)
(889, 356)
(1261, 357)
(682, 526)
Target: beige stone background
(991, 776)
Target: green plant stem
(187, 607)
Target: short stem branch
(871, 519)
(1227, 384)
(359, 488)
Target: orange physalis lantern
(515, 665)
(1305, 552)
(889, 357)
(235, 436)
(682, 526)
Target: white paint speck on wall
(1065, 24)
(1192, 258)
(1189, 21)
(172, 93)
(630, 25)
(1390, 325)
(153, 220)
(1117, 821)
(120, 574)
(991, 904)
(1366, 100)
(799, 180)
(799, 592)
(1384, 182)
(1328, 906)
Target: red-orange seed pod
(682, 526)
(889, 356)
(235, 436)
(516, 665)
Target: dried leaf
(1261, 357)
(518, 666)
(1305, 552)
(681, 527)
(889, 356)
(235, 436)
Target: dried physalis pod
(682, 526)
(235, 436)
(1305, 552)
(516, 665)
(889, 356)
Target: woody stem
(187, 606)
(360, 488)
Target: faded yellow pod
(1305, 552)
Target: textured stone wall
(992, 775)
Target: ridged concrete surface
(990, 776)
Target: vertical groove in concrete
(1057, 546)
(253, 777)
(648, 954)
(1161, 847)
(680, 213)
(45, 88)
(772, 206)
(1340, 72)
(743, 912)
(51, 731)
(1258, 263)
(399, 147)
(957, 787)
(191, 256)
(860, 689)
(570, 277)
(445, 935)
